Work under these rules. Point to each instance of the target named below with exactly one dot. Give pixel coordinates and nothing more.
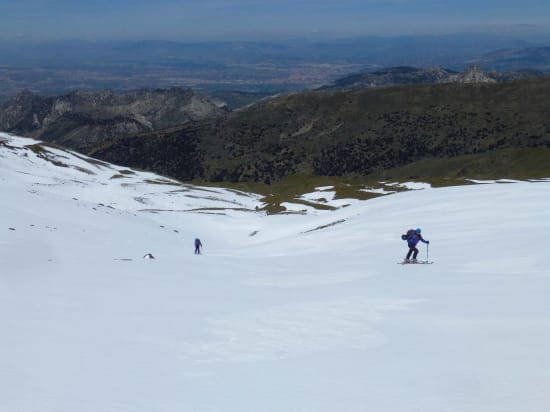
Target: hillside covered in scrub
(356, 133)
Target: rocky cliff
(82, 120)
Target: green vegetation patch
(42, 153)
(510, 163)
(325, 226)
(161, 182)
(291, 188)
(83, 170)
(40, 150)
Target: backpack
(410, 233)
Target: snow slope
(280, 313)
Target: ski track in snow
(297, 312)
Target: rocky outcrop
(472, 74)
(82, 120)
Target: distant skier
(413, 237)
(198, 246)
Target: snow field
(311, 313)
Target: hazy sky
(248, 19)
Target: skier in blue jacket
(198, 246)
(412, 238)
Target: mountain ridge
(401, 75)
(82, 119)
(345, 133)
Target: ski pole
(428, 252)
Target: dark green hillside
(512, 163)
(354, 133)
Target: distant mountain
(55, 68)
(417, 50)
(521, 74)
(396, 76)
(82, 120)
(234, 99)
(537, 58)
(390, 77)
(346, 133)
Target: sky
(249, 19)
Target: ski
(419, 262)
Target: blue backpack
(409, 237)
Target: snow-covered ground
(280, 313)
